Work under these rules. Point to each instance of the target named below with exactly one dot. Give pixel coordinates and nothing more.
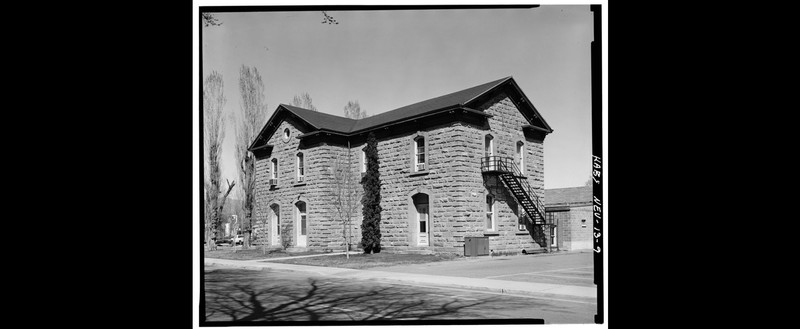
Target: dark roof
(322, 120)
(346, 126)
(458, 98)
(568, 195)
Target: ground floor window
(490, 213)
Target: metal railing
(506, 165)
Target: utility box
(476, 246)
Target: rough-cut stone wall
(506, 128)
(455, 185)
(324, 230)
(453, 182)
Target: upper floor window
(286, 134)
(488, 151)
(488, 146)
(419, 153)
(363, 160)
(274, 168)
(300, 167)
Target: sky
(389, 59)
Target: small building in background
(569, 213)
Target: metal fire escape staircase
(517, 184)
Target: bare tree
(347, 193)
(303, 101)
(353, 110)
(213, 135)
(210, 20)
(328, 19)
(253, 117)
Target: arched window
(488, 145)
(488, 152)
(364, 159)
(286, 133)
(300, 167)
(275, 169)
(490, 214)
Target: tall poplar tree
(371, 201)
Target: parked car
(224, 240)
(238, 239)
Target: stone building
(466, 164)
(570, 212)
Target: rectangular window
(363, 161)
(300, 170)
(521, 220)
(274, 168)
(489, 213)
(420, 154)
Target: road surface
(262, 295)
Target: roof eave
(322, 131)
(422, 115)
(545, 130)
(269, 123)
(265, 146)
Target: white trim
(363, 160)
(418, 164)
(520, 147)
(493, 211)
(300, 157)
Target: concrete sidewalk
(492, 285)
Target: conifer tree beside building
(371, 201)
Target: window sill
(300, 184)
(418, 173)
(491, 233)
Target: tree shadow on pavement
(245, 299)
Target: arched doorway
(275, 224)
(301, 224)
(422, 220)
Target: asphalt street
(576, 269)
(261, 295)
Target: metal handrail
(501, 164)
(528, 189)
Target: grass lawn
(253, 253)
(362, 261)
